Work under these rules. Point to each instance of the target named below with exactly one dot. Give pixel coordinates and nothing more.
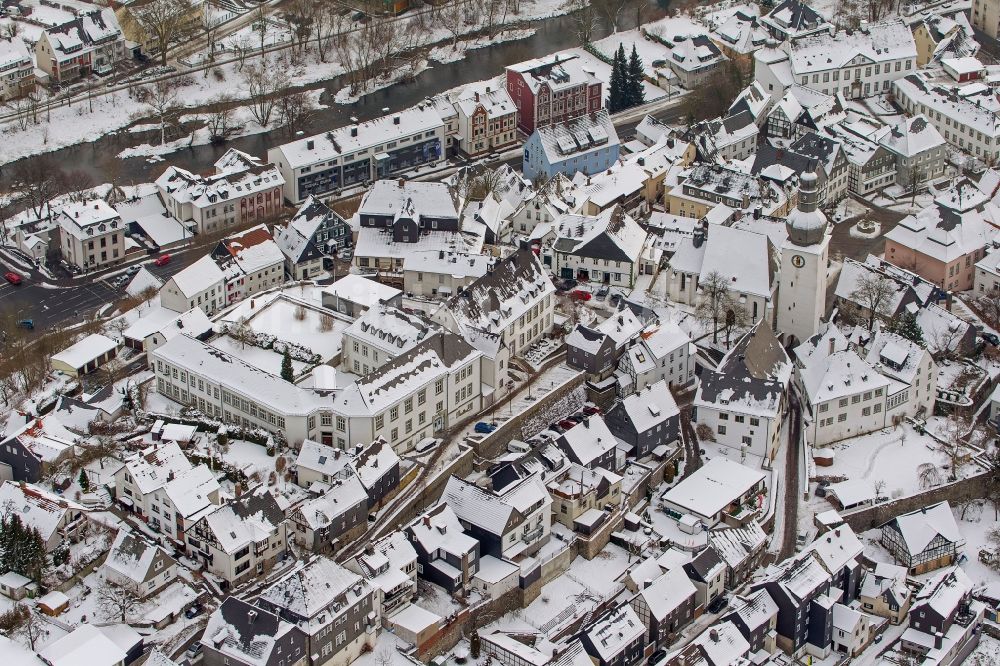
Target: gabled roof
(611, 235)
(752, 376)
(311, 588)
(589, 440)
(244, 632)
(919, 528)
(666, 593)
(246, 520)
(133, 557)
(652, 406)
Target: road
(62, 301)
(791, 479)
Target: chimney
(63, 504)
(402, 182)
(477, 96)
(714, 635)
(427, 520)
(833, 344)
(251, 616)
(938, 640)
(354, 130)
(336, 454)
(646, 583)
(395, 119)
(836, 532)
(310, 144)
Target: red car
(581, 295)
(566, 424)
(590, 411)
(162, 260)
(12, 277)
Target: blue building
(588, 144)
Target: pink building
(943, 242)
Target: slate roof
(752, 376)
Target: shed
(86, 356)
(54, 603)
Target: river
(553, 34)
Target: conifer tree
(286, 366)
(635, 93)
(617, 96)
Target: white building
(919, 150)
(719, 490)
(242, 190)
(92, 233)
(442, 273)
(604, 248)
(251, 261)
(90, 43)
(380, 335)
(389, 565)
(17, 69)
(966, 116)
(856, 64)
(743, 400)
(661, 353)
(360, 153)
(487, 120)
(136, 564)
(200, 285)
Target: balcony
(533, 535)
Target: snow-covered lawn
(648, 49)
(249, 457)
(895, 456)
(267, 360)
(980, 518)
(602, 71)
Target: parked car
(602, 292)
(567, 284)
(581, 295)
(485, 428)
(718, 605)
(656, 657)
(566, 424)
(194, 611)
(556, 428)
(193, 651)
(132, 270)
(12, 277)
(427, 444)
(162, 260)
(991, 338)
(28, 324)
(590, 410)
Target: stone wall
(496, 442)
(955, 493)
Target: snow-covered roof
(919, 528)
(83, 34)
(755, 609)
(838, 548)
(912, 136)
(14, 654)
(723, 644)
(191, 491)
(409, 199)
(576, 137)
(944, 591)
(246, 520)
(322, 458)
(650, 407)
(87, 350)
(152, 467)
(876, 43)
(502, 296)
(361, 290)
(374, 461)
(448, 262)
(589, 440)
(46, 438)
(973, 105)
(238, 179)
(667, 592)
(492, 511)
(36, 507)
(313, 587)
(87, 645)
(199, 276)
(799, 576)
(440, 529)
(132, 556)
(253, 249)
(751, 378)
(612, 235)
(244, 632)
(345, 494)
(158, 319)
(840, 374)
(389, 329)
(14, 54)
(713, 486)
(745, 260)
(85, 219)
(615, 631)
(349, 140)
(496, 102)
(239, 376)
(735, 545)
(556, 72)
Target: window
(379, 421)
(341, 423)
(842, 417)
(393, 413)
(843, 402)
(754, 421)
(739, 418)
(722, 430)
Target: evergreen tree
(474, 643)
(906, 325)
(618, 86)
(635, 94)
(286, 366)
(83, 480)
(22, 549)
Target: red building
(552, 90)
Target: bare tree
(161, 98)
(300, 14)
(927, 475)
(165, 22)
(209, 23)
(611, 10)
(116, 602)
(879, 486)
(295, 110)
(327, 22)
(873, 293)
(38, 180)
(714, 292)
(585, 19)
(325, 323)
(989, 305)
(32, 627)
(956, 428)
(242, 46)
(264, 80)
(221, 122)
(735, 318)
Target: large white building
(242, 190)
(200, 285)
(360, 153)
(605, 248)
(92, 234)
(856, 64)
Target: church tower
(804, 255)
